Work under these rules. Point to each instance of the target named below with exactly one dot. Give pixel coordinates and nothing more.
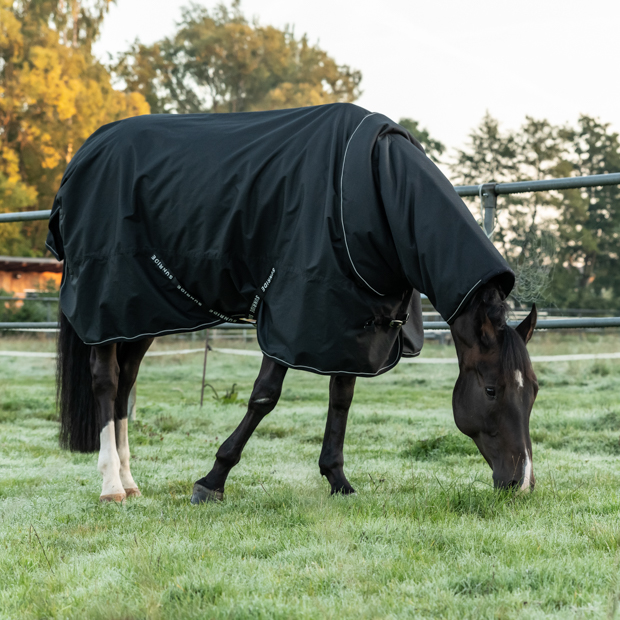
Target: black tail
(79, 426)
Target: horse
(319, 225)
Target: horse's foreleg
(265, 395)
(129, 356)
(105, 371)
(331, 461)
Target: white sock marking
(122, 445)
(109, 463)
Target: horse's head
(496, 388)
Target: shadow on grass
(439, 447)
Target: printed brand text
(269, 279)
(170, 276)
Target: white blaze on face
(519, 378)
(109, 463)
(527, 472)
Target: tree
(564, 246)
(220, 62)
(53, 95)
(434, 148)
(589, 226)
(526, 226)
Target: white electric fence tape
(577, 357)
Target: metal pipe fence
(545, 185)
(487, 192)
(28, 298)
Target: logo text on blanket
(170, 276)
(265, 286)
(258, 299)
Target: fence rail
(545, 185)
(25, 216)
(519, 187)
(487, 192)
(582, 323)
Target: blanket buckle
(399, 322)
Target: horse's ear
(486, 330)
(526, 328)
(490, 316)
(488, 337)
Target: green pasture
(426, 536)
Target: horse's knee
(129, 357)
(129, 369)
(105, 374)
(341, 393)
(264, 399)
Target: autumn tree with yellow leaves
(219, 61)
(53, 95)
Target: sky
(443, 63)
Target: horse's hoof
(346, 491)
(201, 495)
(114, 497)
(133, 492)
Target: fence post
(204, 368)
(488, 197)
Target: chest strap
(386, 321)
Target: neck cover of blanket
(321, 224)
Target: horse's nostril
(511, 484)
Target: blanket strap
(386, 321)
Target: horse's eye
(490, 392)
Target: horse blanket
(320, 224)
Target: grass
(425, 537)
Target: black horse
(320, 225)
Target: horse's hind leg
(105, 372)
(129, 356)
(331, 461)
(265, 395)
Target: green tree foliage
(524, 229)
(434, 148)
(589, 226)
(219, 61)
(53, 95)
(564, 246)
(30, 309)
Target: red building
(19, 276)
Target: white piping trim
(333, 372)
(164, 331)
(53, 251)
(464, 300)
(408, 357)
(161, 333)
(344, 159)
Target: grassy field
(425, 536)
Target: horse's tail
(79, 425)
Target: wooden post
(204, 370)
